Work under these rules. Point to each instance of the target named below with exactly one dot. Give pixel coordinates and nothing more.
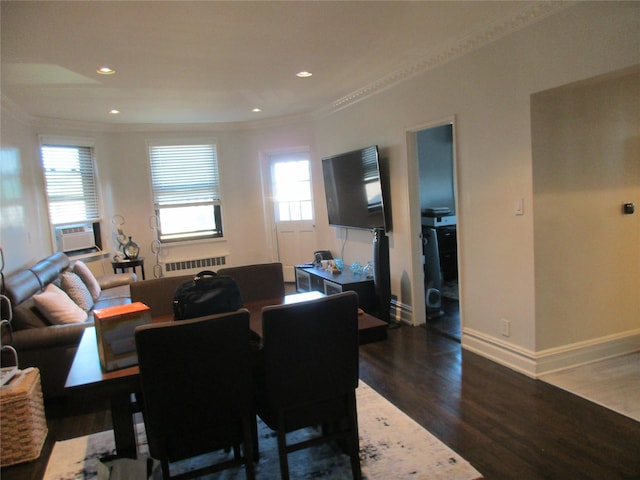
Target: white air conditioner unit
(77, 237)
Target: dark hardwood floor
(506, 424)
(449, 323)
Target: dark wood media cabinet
(309, 278)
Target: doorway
(435, 158)
(292, 209)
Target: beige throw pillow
(57, 307)
(89, 279)
(73, 286)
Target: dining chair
(157, 293)
(196, 382)
(310, 373)
(262, 281)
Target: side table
(129, 263)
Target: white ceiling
(214, 61)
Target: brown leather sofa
(40, 343)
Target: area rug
(392, 445)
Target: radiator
(195, 265)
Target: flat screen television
(353, 189)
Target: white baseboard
(401, 312)
(516, 358)
(536, 364)
(556, 359)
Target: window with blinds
(70, 180)
(186, 191)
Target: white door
(292, 209)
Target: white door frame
(267, 191)
(419, 310)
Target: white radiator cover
(194, 265)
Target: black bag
(207, 294)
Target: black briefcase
(207, 294)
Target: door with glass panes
(292, 209)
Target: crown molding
(530, 14)
(261, 124)
(12, 109)
(453, 50)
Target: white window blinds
(186, 191)
(69, 173)
(184, 174)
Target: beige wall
(586, 164)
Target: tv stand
(315, 279)
(370, 328)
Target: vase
(131, 250)
(367, 270)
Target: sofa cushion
(73, 286)
(26, 315)
(116, 280)
(80, 268)
(57, 307)
(121, 292)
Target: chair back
(310, 350)
(262, 281)
(157, 293)
(196, 383)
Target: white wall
(24, 230)
(586, 146)
(488, 91)
(246, 233)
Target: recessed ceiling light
(304, 74)
(256, 110)
(113, 111)
(106, 71)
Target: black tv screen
(353, 189)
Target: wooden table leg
(124, 429)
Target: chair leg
(282, 454)
(282, 447)
(164, 463)
(353, 439)
(247, 427)
(254, 437)
(355, 459)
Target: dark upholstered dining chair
(310, 352)
(262, 281)
(157, 293)
(196, 381)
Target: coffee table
(87, 378)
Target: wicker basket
(22, 420)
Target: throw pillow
(73, 286)
(81, 269)
(57, 307)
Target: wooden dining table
(86, 377)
